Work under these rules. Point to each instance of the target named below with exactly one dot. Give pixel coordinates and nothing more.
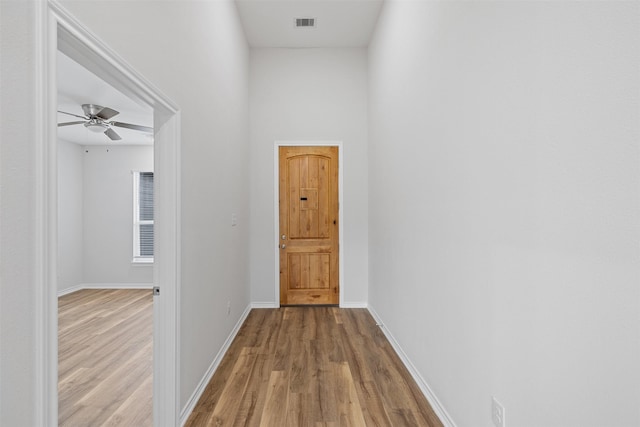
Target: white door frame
(58, 29)
(276, 204)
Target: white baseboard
(265, 305)
(352, 304)
(105, 286)
(445, 418)
(197, 393)
(70, 290)
(117, 286)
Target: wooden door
(309, 225)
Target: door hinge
(156, 291)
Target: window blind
(145, 200)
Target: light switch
(234, 220)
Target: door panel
(309, 269)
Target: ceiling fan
(97, 118)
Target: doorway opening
(60, 31)
(105, 252)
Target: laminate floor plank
(299, 410)
(349, 406)
(255, 394)
(226, 409)
(105, 350)
(274, 412)
(312, 366)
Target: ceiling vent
(305, 22)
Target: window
(143, 217)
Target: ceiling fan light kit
(95, 126)
(97, 117)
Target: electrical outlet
(234, 220)
(497, 413)
(228, 308)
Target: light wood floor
(105, 358)
(311, 366)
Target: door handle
(282, 246)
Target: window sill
(142, 261)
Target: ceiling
(267, 23)
(77, 86)
(340, 23)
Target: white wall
(95, 229)
(108, 214)
(70, 215)
(504, 205)
(196, 53)
(17, 193)
(309, 95)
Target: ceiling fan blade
(69, 123)
(134, 127)
(74, 115)
(112, 135)
(94, 110)
(106, 113)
